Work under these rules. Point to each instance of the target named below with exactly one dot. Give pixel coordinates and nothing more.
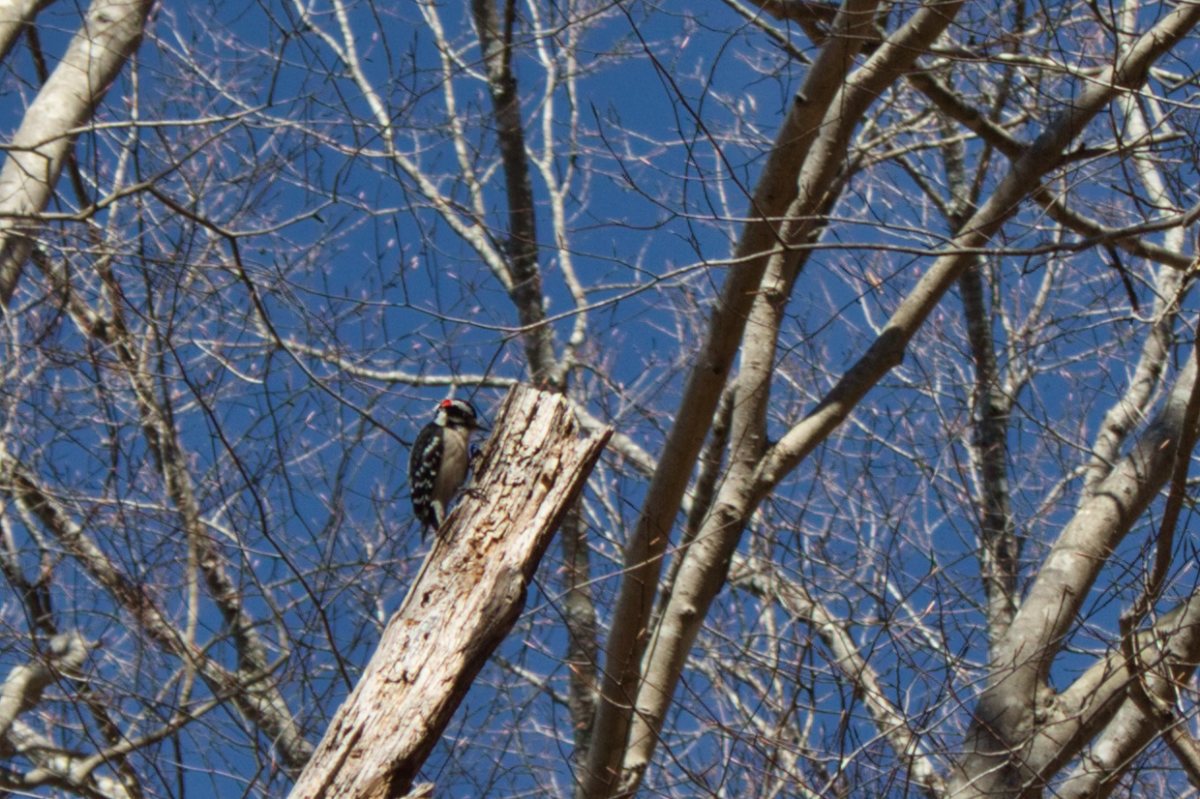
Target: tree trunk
(462, 604)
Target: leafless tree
(887, 303)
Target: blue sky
(300, 465)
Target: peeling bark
(462, 604)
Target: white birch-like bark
(711, 560)
(1131, 407)
(996, 760)
(1023, 179)
(706, 561)
(14, 16)
(22, 688)
(1099, 708)
(111, 30)
(647, 543)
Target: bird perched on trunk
(438, 462)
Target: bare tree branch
(17, 17)
(253, 693)
(1132, 240)
(22, 688)
(1006, 707)
(495, 40)
(110, 32)
(1170, 287)
(462, 604)
(891, 721)
(646, 544)
(1100, 707)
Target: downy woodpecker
(438, 463)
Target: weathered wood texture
(462, 604)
